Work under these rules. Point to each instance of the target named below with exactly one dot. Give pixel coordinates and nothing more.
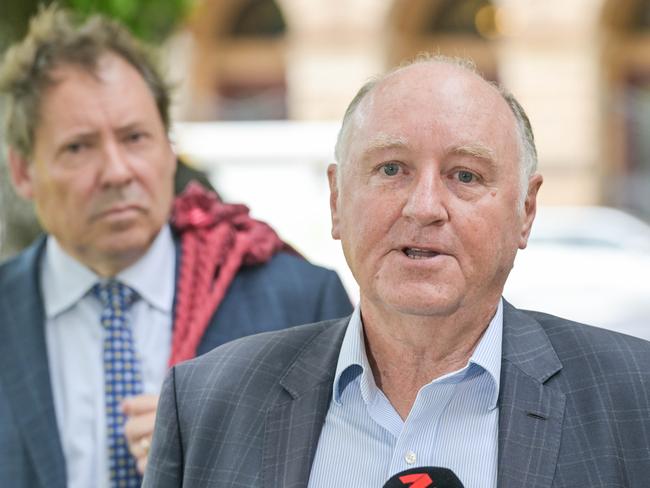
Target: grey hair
(525, 137)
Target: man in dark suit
(128, 280)
(434, 193)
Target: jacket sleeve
(165, 463)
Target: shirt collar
(153, 275)
(353, 361)
(65, 280)
(487, 354)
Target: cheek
(162, 187)
(494, 247)
(482, 236)
(63, 208)
(156, 174)
(366, 222)
(62, 190)
(167, 168)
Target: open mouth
(419, 253)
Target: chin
(427, 309)
(425, 302)
(129, 245)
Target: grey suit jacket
(574, 408)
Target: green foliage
(150, 20)
(14, 17)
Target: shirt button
(410, 457)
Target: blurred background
(260, 86)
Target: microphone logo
(417, 480)
(424, 477)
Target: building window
(451, 27)
(627, 108)
(258, 18)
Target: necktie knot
(115, 296)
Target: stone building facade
(580, 67)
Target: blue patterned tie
(121, 378)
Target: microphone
(425, 477)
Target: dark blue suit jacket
(283, 292)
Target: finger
(139, 404)
(140, 448)
(141, 464)
(138, 426)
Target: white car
(589, 264)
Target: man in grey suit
(434, 193)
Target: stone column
(333, 47)
(549, 59)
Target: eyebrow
(475, 150)
(74, 136)
(129, 127)
(383, 142)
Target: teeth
(415, 253)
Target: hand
(140, 412)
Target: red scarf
(216, 240)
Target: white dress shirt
(453, 423)
(74, 339)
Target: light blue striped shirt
(453, 422)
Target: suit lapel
(293, 426)
(24, 369)
(530, 413)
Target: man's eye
(390, 169)
(135, 136)
(466, 176)
(74, 147)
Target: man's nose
(116, 169)
(427, 199)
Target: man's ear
(334, 196)
(530, 208)
(21, 172)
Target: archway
(451, 27)
(239, 60)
